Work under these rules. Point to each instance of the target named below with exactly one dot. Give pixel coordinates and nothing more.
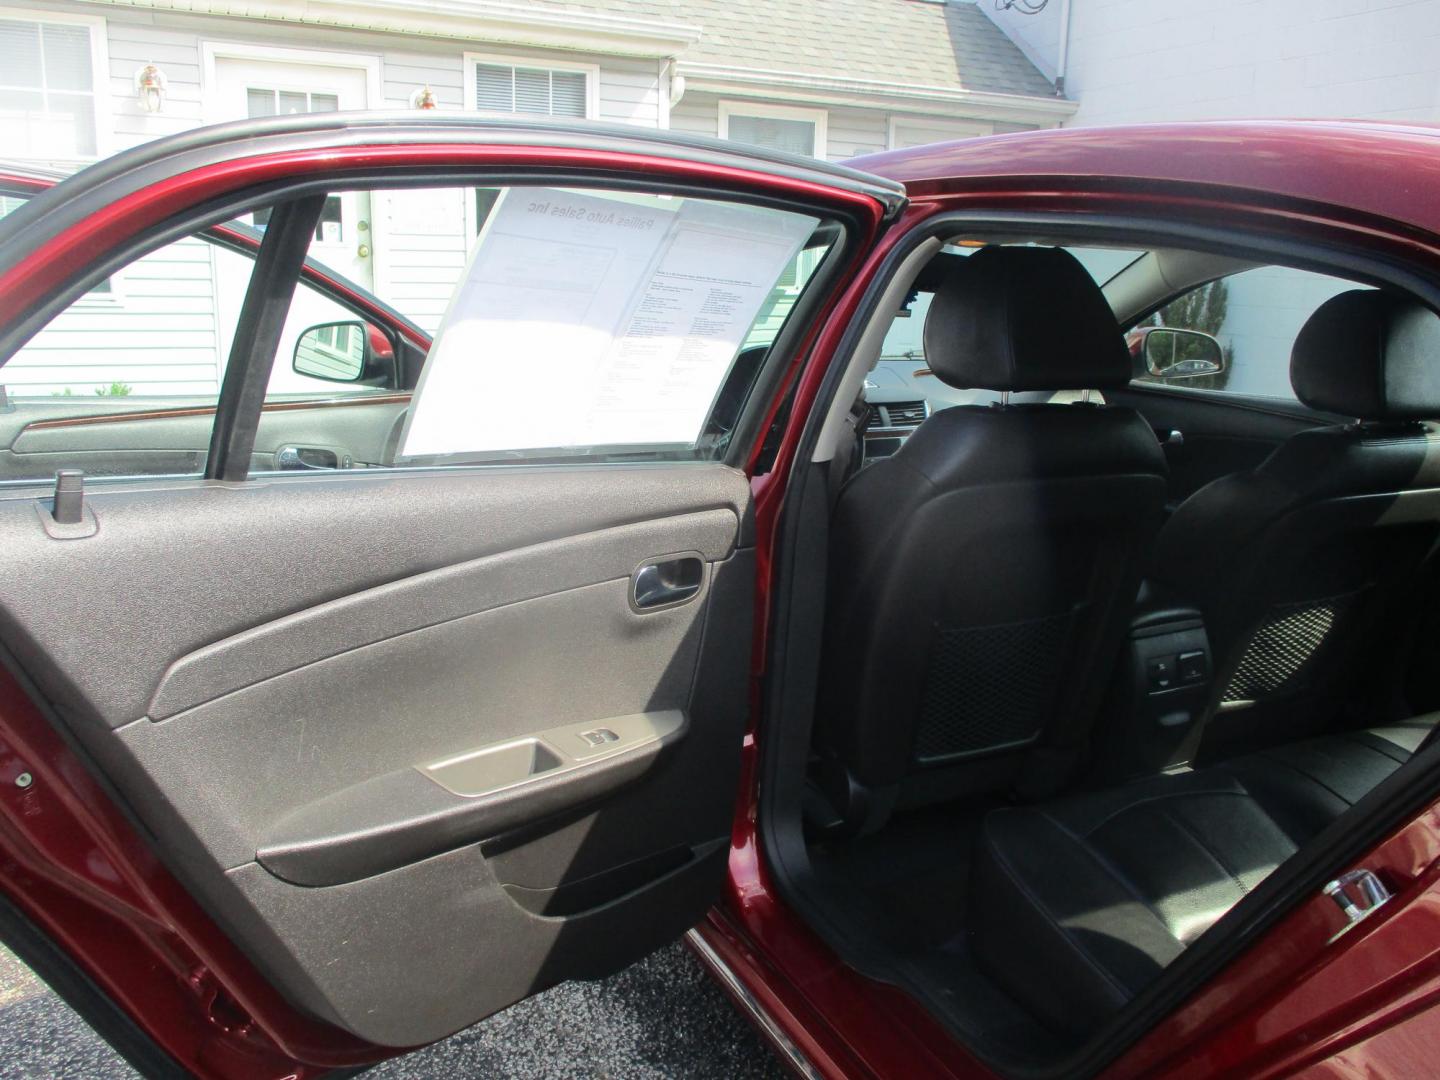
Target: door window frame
(737, 452)
(104, 296)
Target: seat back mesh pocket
(990, 688)
(1288, 648)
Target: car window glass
(124, 382)
(1255, 316)
(905, 339)
(569, 324)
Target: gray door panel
(428, 600)
(108, 440)
(194, 563)
(405, 734)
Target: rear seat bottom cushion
(1080, 903)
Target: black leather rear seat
(1079, 903)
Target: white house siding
(628, 89)
(696, 114)
(404, 70)
(425, 235)
(1150, 60)
(420, 241)
(159, 334)
(1135, 61)
(1265, 310)
(855, 131)
(630, 92)
(133, 42)
(850, 132)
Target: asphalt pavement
(663, 1017)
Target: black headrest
(1370, 354)
(1015, 318)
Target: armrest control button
(1160, 674)
(1191, 667)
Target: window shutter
(568, 93)
(494, 88)
(532, 91)
(19, 54)
(67, 58)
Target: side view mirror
(344, 352)
(1165, 352)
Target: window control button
(599, 737)
(1191, 667)
(1160, 674)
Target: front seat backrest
(1302, 566)
(980, 578)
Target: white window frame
(99, 70)
(590, 71)
(981, 127)
(765, 111)
(100, 96)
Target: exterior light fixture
(150, 85)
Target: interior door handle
(666, 582)
(1172, 437)
(306, 457)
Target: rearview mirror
(1171, 353)
(342, 352)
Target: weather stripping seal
(783, 1044)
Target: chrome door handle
(666, 582)
(1173, 437)
(306, 457)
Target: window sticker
(590, 320)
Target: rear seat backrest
(1302, 564)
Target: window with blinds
(510, 88)
(47, 90)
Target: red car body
(1292, 1002)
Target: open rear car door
(299, 769)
